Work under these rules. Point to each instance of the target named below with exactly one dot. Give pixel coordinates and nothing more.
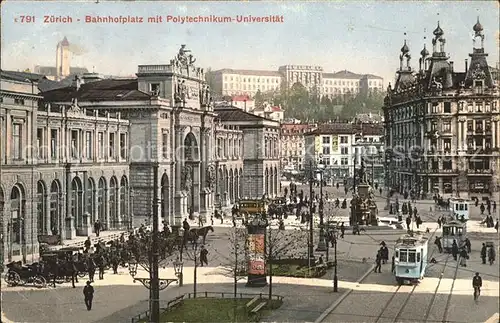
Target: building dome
(438, 32)
(424, 52)
(477, 27)
(405, 49)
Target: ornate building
(441, 126)
(61, 167)
(293, 145)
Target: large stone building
(293, 145)
(102, 148)
(313, 78)
(442, 125)
(340, 146)
(61, 167)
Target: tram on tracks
(410, 258)
(453, 230)
(459, 209)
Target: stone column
(61, 215)
(179, 196)
(106, 208)
(48, 227)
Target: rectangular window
(447, 107)
(39, 143)
(123, 145)
(74, 143)
(219, 148)
(446, 126)
(154, 87)
(326, 150)
(19, 101)
(88, 145)
(344, 150)
(165, 145)
(412, 255)
(344, 161)
(344, 139)
(53, 143)
(100, 144)
(17, 141)
(403, 255)
(112, 152)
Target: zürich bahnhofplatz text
(184, 19)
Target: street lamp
(335, 278)
(132, 267)
(322, 246)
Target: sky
(359, 36)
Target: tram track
(429, 307)
(403, 289)
(448, 299)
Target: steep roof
(105, 90)
(372, 129)
(21, 76)
(248, 72)
(230, 113)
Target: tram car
(459, 209)
(410, 258)
(252, 206)
(453, 230)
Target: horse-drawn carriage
(19, 275)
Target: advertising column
(256, 242)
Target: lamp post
(178, 266)
(322, 246)
(311, 212)
(335, 278)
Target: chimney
(466, 66)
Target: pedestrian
(115, 261)
(342, 230)
(102, 266)
(72, 271)
(437, 242)
(87, 244)
(454, 250)
(378, 262)
(491, 255)
(418, 221)
(203, 256)
(477, 283)
(385, 254)
(496, 225)
(482, 208)
(212, 219)
(200, 221)
(393, 265)
(467, 245)
(494, 207)
(88, 293)
(439, 222)
(483, 254)
(463, 257)
(408, 222)
(55, 271)
(91, 268)
(97, 227)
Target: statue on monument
(184, 58)
(362, 172)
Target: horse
(195, 233)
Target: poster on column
(256, 263)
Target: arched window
(17, 214)
(76, 202)
(54, 207)
(124, 198)
(90, 196)
(113, 202)
(41, 208)
(101, 201)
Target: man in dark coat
(102, 266)
(97, 227)
(203, 256)
(91, 268)
(437, 242)
(482, 208)
(378, 262)
(483, 254)
(468, 245)
(342, 230)
(454, 250)
(408, 222)
(88, 293)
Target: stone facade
(261, 152)
(62, 168)
(442, 125)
